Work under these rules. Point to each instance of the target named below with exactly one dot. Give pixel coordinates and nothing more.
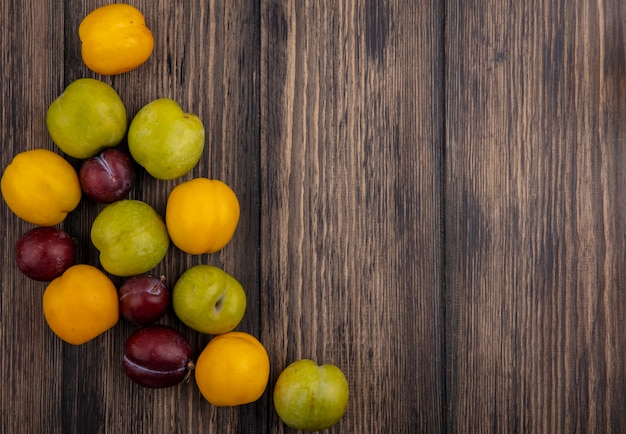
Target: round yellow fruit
(115, 39)
(81, 304)
(233, 369)
(41, 187)
(201, 215)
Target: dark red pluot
(157, 356)
(144, 299)
(44, 253)
(107, 177)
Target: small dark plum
(157, 356)
(107, 177)
(44, 253)
(144, 299)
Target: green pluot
(131, 237)
(208, 300)
(86, 118)
(164, 140)
(310, 397)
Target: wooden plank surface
(350, 207)
(534, 217)
(431, 199)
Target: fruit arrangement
(80, 302)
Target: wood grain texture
(350, 124)
(31, 374)
(432, 199)
(535, 216)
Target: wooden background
(432, 199)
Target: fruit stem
(154, 289)
(190, 367)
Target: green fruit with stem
(209, 300)
(311, 397)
